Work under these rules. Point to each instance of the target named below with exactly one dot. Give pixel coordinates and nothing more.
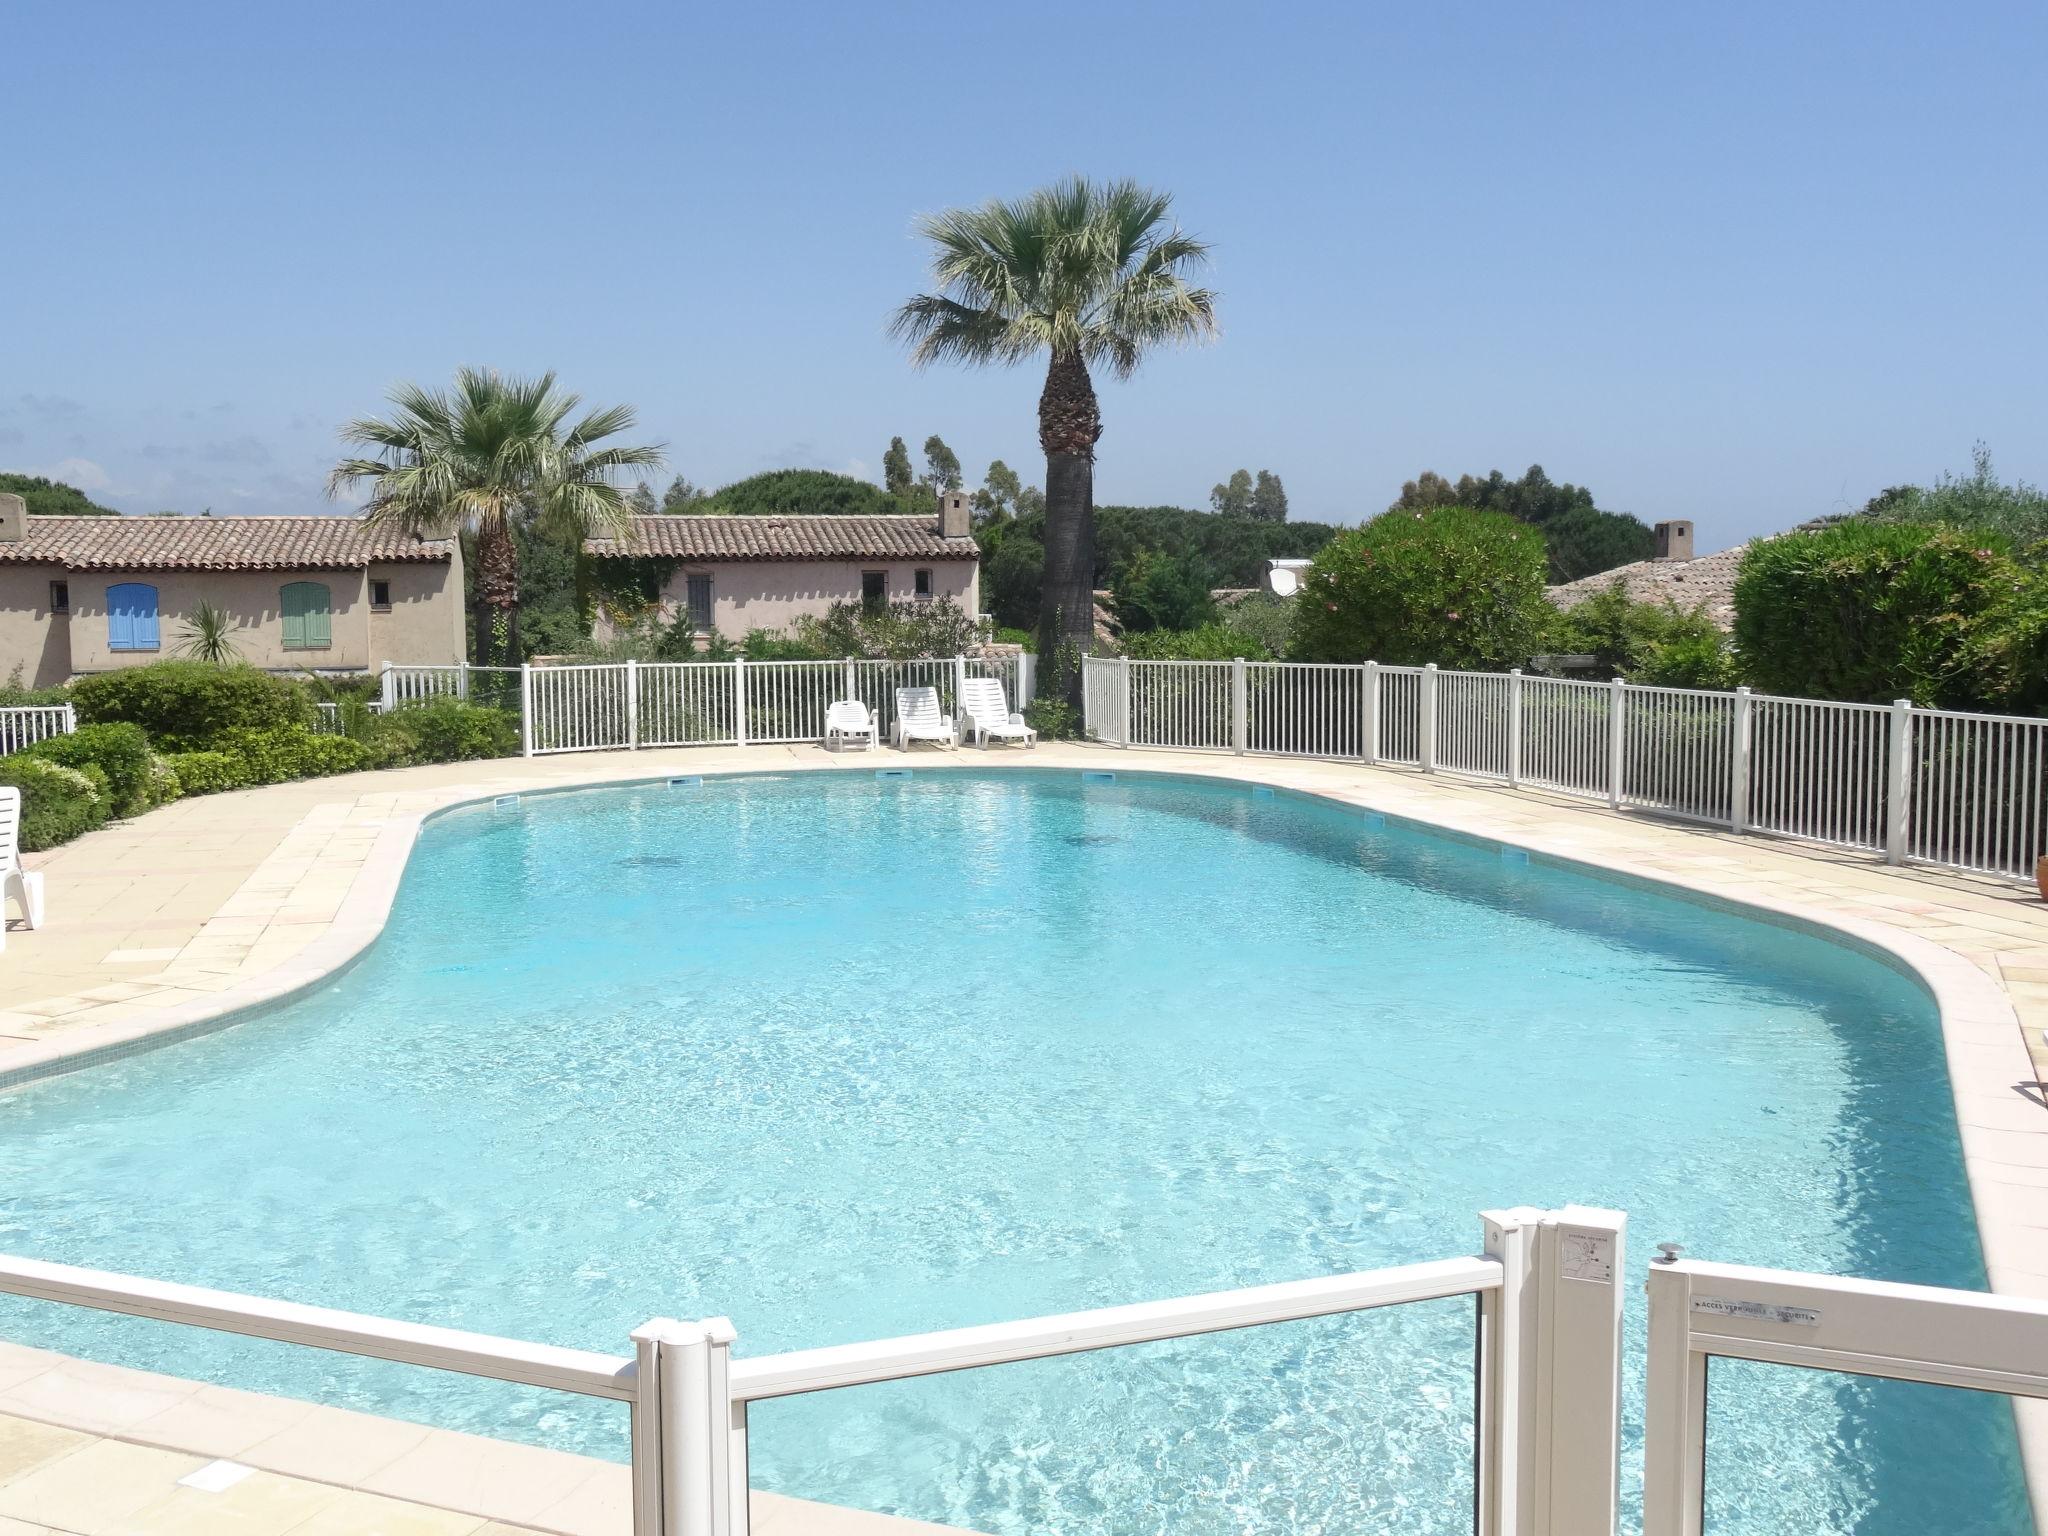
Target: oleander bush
(208, 773)
(57, 803)
(120, 751)
(184, 705)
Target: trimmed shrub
(164, 785)
(185, 704)
(449, 731)
(1869, 612)
(291, 752)
(208, 773)
(1054, 719)
(57, 803)
(1212, 642)
(121, 752)
(1449, 585)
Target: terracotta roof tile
(215, 543)
(787, 538)
(1708, 582)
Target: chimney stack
(954, 522)
(13, 519)
(1674, 541)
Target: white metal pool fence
(612, 706)
(23, 725)
(1546, 1362)
(1963, 791)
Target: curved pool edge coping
(1981, 1033)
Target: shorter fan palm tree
(492, 449)
(1085, 274)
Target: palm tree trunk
(1069, 422)
(497, 589)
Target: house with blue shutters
(301, 594)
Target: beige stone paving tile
(368, 1514)
(261, 1504)
(601, 1505)
(12, 1527)
(498, 1480)
(336, 1445)
(220, 1421)
(26, 1444)
(87, 1395)
(94, 1488)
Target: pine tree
(1234, 497)
(1269, 498)
(896, 473)
(681, 496)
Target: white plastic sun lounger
(850, 720)
(24, 887)
(918, 719)
(989, 713)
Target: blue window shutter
(131, 617)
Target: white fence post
(730, 1513)
(70, 719)
(690, 1445)
(1617, 739)
(1674, 1411)
(1425, 723)
(1239, 725)
(389, 684)
(1123, 683)
(1551, 1443)
(462, 681)
(649, 1516)
(1740, 735)
(1515, 728)
(852, 688)
(525, 708)
(739, 700)
(1898, 782)
(632, 705)
(1027, 679)
(1372, 712)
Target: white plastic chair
(989, 713)
(851, 720)
(918, 719)
(25, 887)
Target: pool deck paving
(164, 925)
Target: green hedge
(208, 773)
(120, 751)
(185, 704)
(443, 731)
(57, 803)
(291, 752)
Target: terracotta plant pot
(2041, 876)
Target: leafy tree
(2018, 512)
(1012, 572)
(802, 493)
(889, 630)
(1870, 611)
(896, 472)
(999, 495)
(1233, 498)
(1221, 641)
(681, 497)
(941, 465)
(1581, 539)
(1081, 273)
(640, 500)
(1269, 498)
(1452, 585)
(53, 498)
(473, 457)
(1161, 591)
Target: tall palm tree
(474, 458)
(1088, 274)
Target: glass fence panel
(309, 1425)
(1827, 1454)
(1340, 1426)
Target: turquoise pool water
(842, 1058)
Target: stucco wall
(773, 594)
(31, 637)
(424, 624)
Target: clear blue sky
(1738, 263)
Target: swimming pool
(843, 1058)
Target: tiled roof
(787, 538)
(215, 543)
(1708, 582)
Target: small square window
(60, 597)
(874, 588)
(380, 596)
(924, 586)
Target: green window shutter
(308, 616)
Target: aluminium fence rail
(1940, 787)
(24, 725)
